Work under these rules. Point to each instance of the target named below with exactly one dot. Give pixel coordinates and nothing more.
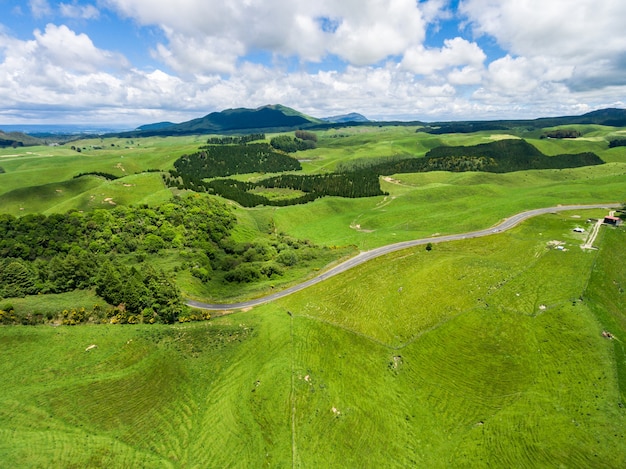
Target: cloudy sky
(140, 61)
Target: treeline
(145, 295)
(289, 144)
(109, 176)
(220, 161)
(364, 164)
(562, 133)
(305, 135)
(5, 143)
(497, 157)
(235, 140)
(98, 314)
(186, 221)
(512, 155)
(111, 252)
(361, 178)
(618, 142)
(461, 127)
(355, 184)
(64, 252)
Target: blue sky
(131, 62)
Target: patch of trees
(618, 142)
(461, 127)
(363, 164)
(147, 292)
(5, 143)
(562, 133)
(361, 178)
(289, 144)
(496, 157)
(354, 184)
(186, 221)
(235, 140)
(513, 155)
(2, 170)
(304, 135)
(64, 252)
(110, 177)
(220, 161)
(110, 251)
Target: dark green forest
(496, 157)
(234, 140)
(228, 160)
(562, 133)
(351, 184)
(358, 178)
(111, 251)
(289, 144)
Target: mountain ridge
(279, 118)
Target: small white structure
(579, 230)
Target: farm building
(612, 220)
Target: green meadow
(477, 353)
(501, 351)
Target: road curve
(365, 256)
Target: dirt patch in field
(555, 243)
(391, 180)
(503, 137)
(357, 227)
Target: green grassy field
(423, 204)
(480, 353)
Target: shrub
(243, 273)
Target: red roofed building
(612, 220)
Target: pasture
(490, 352)
(478, 353)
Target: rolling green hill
(265, 118)
(478, 353)
(18, 139)
(502, 351)
(282, 118)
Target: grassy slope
(428, 359)
(423, 204)
(86, 193)
(419, 204)
(33, 174)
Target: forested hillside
(355, 179)
(226, 160)
(114, 251)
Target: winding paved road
(365, 256)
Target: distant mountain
(18, 139)
(612, 117)
(341, 119)
(278, 118)
(271, 118)
(156, 126)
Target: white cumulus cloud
(73, 10)
(586, 36)
(361, 32)
(456, 52)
